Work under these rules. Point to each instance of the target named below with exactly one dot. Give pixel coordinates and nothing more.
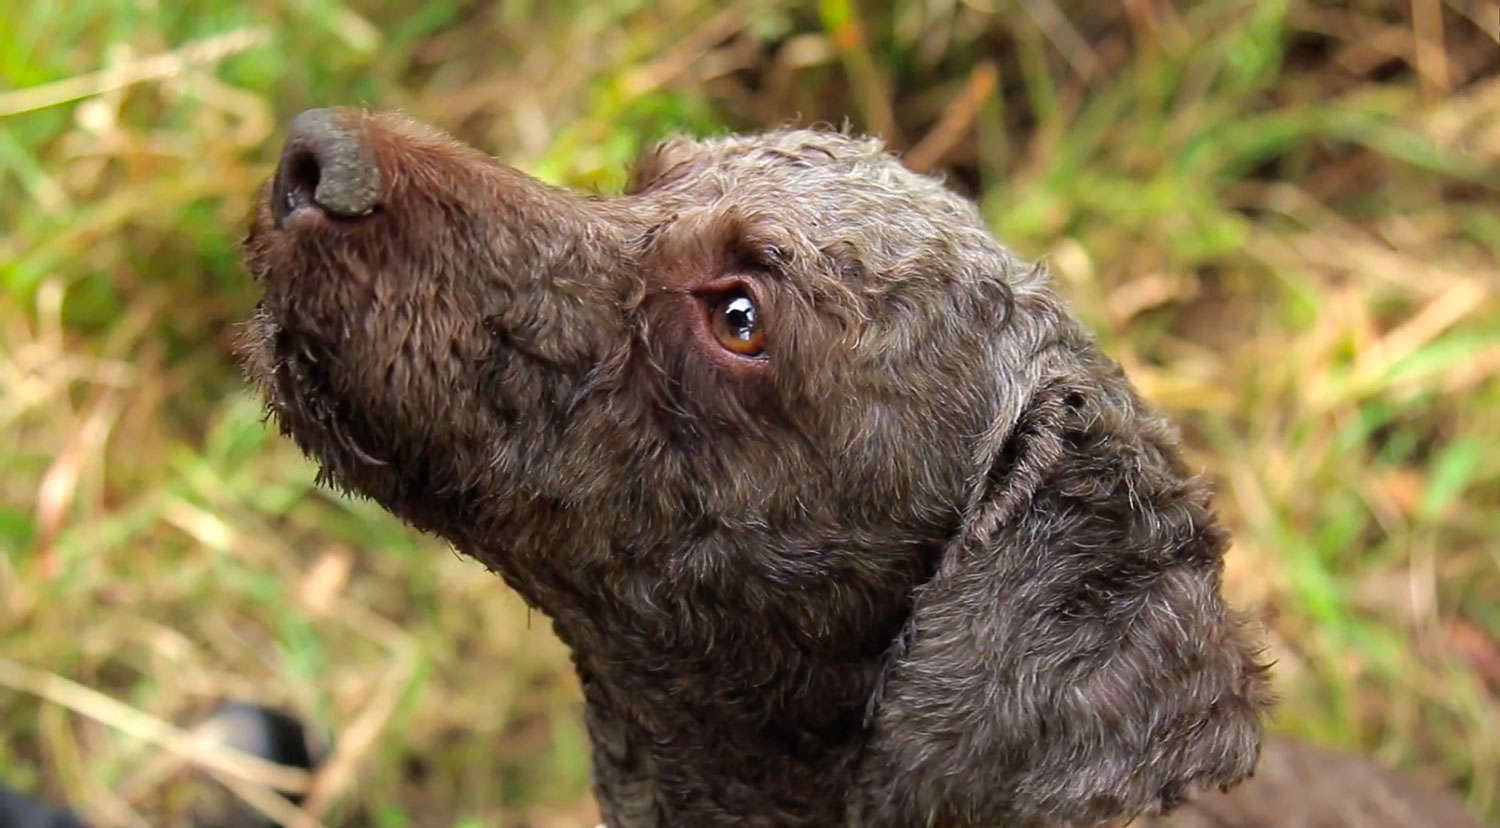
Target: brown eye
(736, 324)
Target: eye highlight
(735, 322)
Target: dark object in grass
(260, 731)
(846, 519)
(249, 728)
(257, 730)
(18, 811)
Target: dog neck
(704, 713)
(727, 694)
(769, 737)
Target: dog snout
(327, 165)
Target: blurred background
(1281, 216)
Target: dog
(845, 517)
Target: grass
(1281, 216)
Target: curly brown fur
(928, 561)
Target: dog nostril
(302, 174)
(327, 163)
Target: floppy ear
(1071, 661)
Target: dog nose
(326, 163)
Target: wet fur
(929, 562)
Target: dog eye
(736, 324)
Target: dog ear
(1071, 661)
